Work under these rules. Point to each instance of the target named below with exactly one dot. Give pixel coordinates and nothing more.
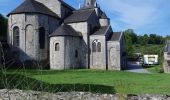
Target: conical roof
(32, 6)
(65, 30)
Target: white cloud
(133, 13)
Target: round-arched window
(57, 47)
(96, 46)
(42, 37)
(16, 36)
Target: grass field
(89, 80)
(154, 68)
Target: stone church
(67, 38)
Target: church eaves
(66, 30)
(115, 36)
(32, 6)
(79, 16)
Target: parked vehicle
(150, 60)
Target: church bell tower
(90, 3)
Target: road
(136, 68)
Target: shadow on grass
(21, 82)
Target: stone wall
(123, 52)
(82, 27)
(113, 55)
(104, 22)
(33, 95)
(53, 5)
(117, 54)
(65, 58)
(57, 57)
(98, 60)
(165, 64)
(29, 25)
(57, 7)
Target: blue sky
(144, 16)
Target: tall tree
(143, 40)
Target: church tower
(90, 3)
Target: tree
(130, 34)
(129, 39)
(143, 40)
(3, 25)
(156, 39)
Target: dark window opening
(16, 36)
(76, 54)
(99, 47)
(42, 38)
(94, 47)
(57, 47)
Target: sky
(144, 16)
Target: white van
(150, 59)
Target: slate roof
(79, 16)
(101, 31)
(32, 6)
(66, 30)
(115, 36)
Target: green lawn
(90, 80)
(154, 69)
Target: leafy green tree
(142, 43)
(129, 41)
(143, 40)
(130, 34)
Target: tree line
(144, 44)
(132, 38)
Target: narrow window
(42, 38)
(99, 47)
(76, 54)
(16, 36)
(57, 47)
(94, 46)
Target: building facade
(67, 38)
(166, 62)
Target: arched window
(57, 47)
(98, 47)
(42, 38)
(16, 36)
(76, 54)
(94, 46)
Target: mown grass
(119, 82)
(154, 68)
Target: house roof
(32, 6)
(66, 30)
(115, 36)
(101, 31)
(79, 16)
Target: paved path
(136, 68)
